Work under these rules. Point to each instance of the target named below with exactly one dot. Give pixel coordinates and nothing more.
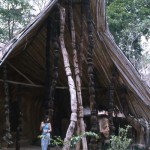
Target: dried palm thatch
(25, 57)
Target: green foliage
(57, 141)
(128, 21)
(120, 142)
(77, 138)
(14, 14)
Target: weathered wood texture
(93, 106)
(47, 100)
(71, 83)
(28, 46)
(55, 46)
(7, 137)
(77, 79)
(111, 102)
(19, 118)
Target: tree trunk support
(71, 83)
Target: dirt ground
(30, 148)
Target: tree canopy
(128, 21)
(14, 14)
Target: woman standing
(46, 129)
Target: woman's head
(46, 119)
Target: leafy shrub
(120, 142)
(57, 141)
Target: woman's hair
(46, 119)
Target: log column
(111, 103)
(123, 92)
(7, 137)
(94, 118)
(71, 83)
(55, 46)
(81, 126)
(19, 119)
(47, 104)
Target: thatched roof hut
(25, 58)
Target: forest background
(128, 21)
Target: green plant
(57, 141)
(120, 142)
(77, 138)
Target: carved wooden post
(77, 78)
(123, 92)
(111, 103)
(47, 66)
(7, 136)
(148, 135)
(55, 46)
(81, 40)
(71, 83)
(94, 119)
(19, 119)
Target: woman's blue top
(45, 129)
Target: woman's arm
(50, 127)
(41, 126)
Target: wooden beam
(20, 73)
(74, 2)
(39, 86)
(20, 83)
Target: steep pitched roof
(28, 49)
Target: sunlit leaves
(128, 21)
(120, 142)
(14, 15)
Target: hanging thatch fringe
(71, 84)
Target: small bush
(120, 142)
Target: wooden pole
(7, 137)
(71, 83)
(47, 67)
(77, 79)
(111, 102)
(81, 41)
(125, 106)
(55, 46)
(19, 119)
(94, 112)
